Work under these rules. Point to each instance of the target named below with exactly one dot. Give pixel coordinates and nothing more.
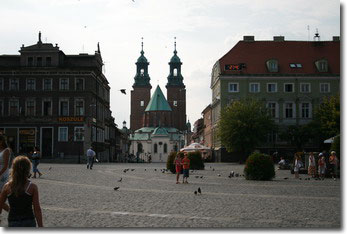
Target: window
(64, 84)
(175, 103)
(31, 84)
(272, 107)
(289, 88)
(30, 61)
(233, 87)
(322, 65)
(1, 84)
(14, 107)
(142, 103)
(142, 72)
(30, 107)
(272, 65)
(47, 107)
(305, 110)
(165, 148)
(48, 61)
(47, 84)
(272, 87)
(305, 87)
(63, 133)
(289, 110)
(295, 65)
(79, 134)
(14, 84)
(175, 72)
(1, 108)
(63, 107)
(39, 61)
(254, 87)
(79, 84)
(155, 148)
(79, 107)
(324, 87)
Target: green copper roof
(160, 131)
(175, 58)
(158, 102)
(142, 58)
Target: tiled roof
(255, 54)
(158, 102)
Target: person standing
(36, 161)
(90, 158)
(333, 161)
(5, 152)
(321, 166)
(178, 165)
(312, 165)
(23, 196)
(186, 165)
(297, 165)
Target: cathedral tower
(176, 92)
(141, 93)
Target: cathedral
(158, 124)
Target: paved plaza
(72, 196)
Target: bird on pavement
(49, 168)
(286, 178)
(201, 177)
(197, 176)
(116, 188)
(195, 192)
(155, 169)
(125, 171)
(199, 190)
(219, 174)
(237, 175)
(132, 169)
(120, 179)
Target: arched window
(155, 148)
(142, 72)
(165, 148)
(175, 72)
(139, 148)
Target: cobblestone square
(72, 196)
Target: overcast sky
(205, 31)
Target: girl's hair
(19, 175)
(3, 141)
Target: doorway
(47, 142)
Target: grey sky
(205, 31)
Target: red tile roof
(254, 55)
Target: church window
(155, 148)
(165, 148)
(175, 103)
(139, 148)
(142, 103)
(142, 72)
(175, 72)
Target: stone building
(290, 77)
(58, 102)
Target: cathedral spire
(142, 77)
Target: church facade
(158, 124)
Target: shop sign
(71, 119)
(27, 131)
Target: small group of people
(182, 164)
(312, 167)
(23, 196)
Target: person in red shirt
(186, 165)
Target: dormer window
(322, 65)
(272, 65)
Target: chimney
(248, 38)
(278, 38)
(336, 38)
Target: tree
(297, 135)
(244, 125)
(326, 119)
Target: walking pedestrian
(5, 152)
(312, 165)
(297, 164)
(90, 158)
(186, 165)
(23, 196)
(333, 161)
(178, 166)
(36, 161)
(321, 166)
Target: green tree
(297, 135)
(244, 125)
(326, 119)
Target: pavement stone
(73, 196)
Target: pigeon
(229, 176)
(163, 171)
(125, 171)
(132, 169)
(197, 176)
(145, 169)
(195, 192)
(219, 174)
(155, 169)
(199, 190)
(286, 178)
(232, 173)
(237, 175)
(201, 177)
(120, 179)
(49, 168)
(116, 188)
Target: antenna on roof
(308, 32)
(316, 36)
(39, 37)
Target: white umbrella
(329, 141)
(194, 147)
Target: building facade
(58, 102)
(290, 77)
